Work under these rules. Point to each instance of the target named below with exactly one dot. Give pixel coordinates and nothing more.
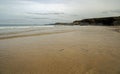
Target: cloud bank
(48, 11)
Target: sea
(13, 29)
(13, 26)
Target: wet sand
(61, 50)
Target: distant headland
(104, 21)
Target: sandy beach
(60, 50)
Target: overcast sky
(51, 11)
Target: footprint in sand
(61, 49)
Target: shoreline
(62, 50)
(22, 32)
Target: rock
(106, 21)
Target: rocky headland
(104, 21)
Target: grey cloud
(49, 1)
(111, 11)
(46, 13)
(65, 10)
(39, 18)
(115, 11)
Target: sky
(51, 11)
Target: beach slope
(61, 50)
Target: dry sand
(62, 50)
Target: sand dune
(61, 50)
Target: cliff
(106, 21)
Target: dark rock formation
(63, 24)
(106, 21)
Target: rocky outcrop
(63, 23)
(107, 21)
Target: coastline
(61, 50)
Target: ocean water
(11, 30)
(23, 26)
(14, 31)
